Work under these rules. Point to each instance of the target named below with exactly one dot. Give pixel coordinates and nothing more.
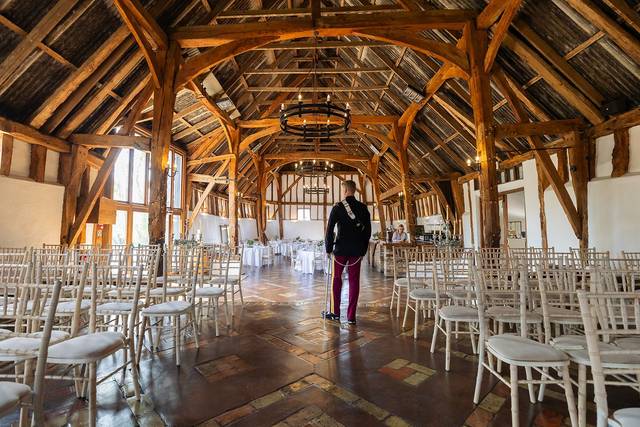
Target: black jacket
(349, 241)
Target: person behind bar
(351, 243)
(399, 235)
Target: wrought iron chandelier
(314, 171)
(312, 120)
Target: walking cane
(327, 308)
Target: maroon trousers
(352, 264)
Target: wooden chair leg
(515, 419)
(176, 326)
(196, 330)
(582, 395)
(568, 392)
(215, 316)
(437, 323)
(416, 320)
(134, 371)
(447, 359)
(93, 411)
(532, 392)
(476, 393)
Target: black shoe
(351, 322)
(331, 316)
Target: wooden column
(261, 202)
(543, 183)
(38, 163)
(375, 183)
(163, 99)
(79, 155)
(408, 207)
(485, 141)
(277, 178)
(579, 167)
(234, 145)
(7, 153)
(620, 154)
(458, 201)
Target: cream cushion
(167, 308)
(209, 292)
(86, 348)
(459, 313)
(11, 394)
(517, 350)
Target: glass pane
(140, 228)
(121, 177)
(88, 239)
(139, 172)
(176, 227)
(177, 183)
(119, 229)
(169, 170)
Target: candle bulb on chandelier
(328, 98)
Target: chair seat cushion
(11, 394)
(627, 417)
(459, 313)
(503, 313)
(402, 282)
(27, 346)
(422, 293)
(115, 307)
(628, 343)
(209, 292)
(158, 292)
(69, 307)
(232, 278)
(517, 350)
(609, 360)
(167, 308)
(562, 316)
(569, 342)
(86, 348)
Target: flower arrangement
(250, 242)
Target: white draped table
(306, 262)
(254, 255)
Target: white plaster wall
(30, 213)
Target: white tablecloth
(254, 255)
(305, 262)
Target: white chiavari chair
(420, 290)
(610, 320)
(14, 255)
(455, 300)
(588, 258)
(187, 267)
(399, 255)
(517, 350)
(631, 260)
(213, 285)
(23, 351)
(84, 352)
(236, 276)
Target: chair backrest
(12, 278)
(14, 255)
(496, 258)
(399, 259)
(504, 287)
(588, 257)
(418, 268)
(613, 318)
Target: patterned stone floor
(279, 364)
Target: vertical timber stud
(163, 100)
(579, 167)
(38, 163)
(485, 140)
(261, 202)
(77, 168)
(234, 145)
(375, 182)
(6, 141)
(278, 180)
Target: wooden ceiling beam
(553, 127)
(500, 32)
(281, 13)
(323, 44)
(110, 141)
(627, 42)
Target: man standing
(351, 244)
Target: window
(119, 230)
(131, 180)
(140, 228)
(121, 177)
(139, 177)
(304, 214)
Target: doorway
(513, 220)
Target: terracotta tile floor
(280, 364)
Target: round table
(306, 262)
(254, 255)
